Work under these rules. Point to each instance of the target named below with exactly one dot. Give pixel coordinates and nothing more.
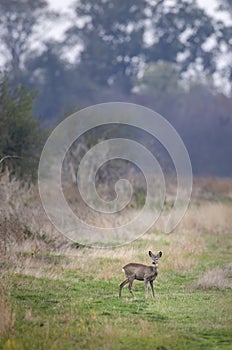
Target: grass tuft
(217, 278)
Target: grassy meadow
(54, 295)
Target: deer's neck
(155, 268)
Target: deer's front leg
(131, 280)
(146, 286)
(152, 288)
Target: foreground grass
(77, 307)
(88, 315)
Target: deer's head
(155, 258)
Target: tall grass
(27, 235)
(212, 217)
(217, 278)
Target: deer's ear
(150, 254)
(160, 254)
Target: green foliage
(177, 30)
(111, 43)
(21, 134)
(113, 35)
(161, 80)
(77, 245)
(140, 197)
(52, 76)
(112, 39)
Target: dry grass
(23, 222)
(27, 236)
(218, 278)
(182, 252)
(105, 264)
(208, 217)
(212, 188)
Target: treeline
(163, 54)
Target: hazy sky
(64, 6)
(209, 5)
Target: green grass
(80, 309)
(88, 315)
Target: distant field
(56, 296)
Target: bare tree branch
(8, 156)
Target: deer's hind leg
(122, 285)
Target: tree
(18, 23)
(110, 33)
(225, 41)
(54, 78)
(21, 135)
(116, 37)
(160, 79)
(226, 5)
(185, 34)
(180, 29)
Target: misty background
(172, 56)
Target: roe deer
(141, 272)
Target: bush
(22, 137)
